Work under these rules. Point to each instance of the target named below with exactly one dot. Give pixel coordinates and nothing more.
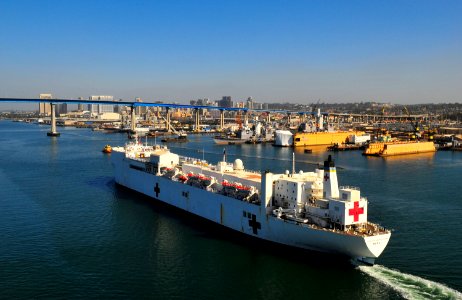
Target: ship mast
(293, 164)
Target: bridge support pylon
(222, 119)
(197, 120)
(53, 131)
(167, 125)
(133, 120)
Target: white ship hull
(248, 218)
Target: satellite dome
(238, 165)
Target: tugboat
(107, 149)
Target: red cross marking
(356, 211)
(326, 177)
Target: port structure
(133, 105)
(336, 117)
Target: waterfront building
(250, 103)
(80, 105)
(240, 104)
(118, 108)
(45, 108)
(226, 102)
(257, 105)
(202, 102)
(140, 110)
(109, 116)
(61, 109)
(101, 108)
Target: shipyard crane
(415, 126)
(178, 133)
(239, 119)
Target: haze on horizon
(275, 51)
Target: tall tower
(80, 105)
(45, 108)
(101, 108)
(140, 110)
(250, 103)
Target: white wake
(410, 286)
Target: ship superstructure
(305, 209)
(256, 133)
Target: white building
(45, 108)
(109, 116)
(101, 108)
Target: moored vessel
(306, 210)
(323, 137)
(239, 137)
(228, 140)
(384, 149)
(321, 133)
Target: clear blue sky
(299, 51)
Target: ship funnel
(329, 163)
(330, 179)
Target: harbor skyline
(87, 237)
(399, 52)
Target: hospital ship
(306, 210)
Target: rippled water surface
(68, 231)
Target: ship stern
(375, 245)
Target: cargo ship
(307, 210)
(384, 149)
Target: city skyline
(400, 52)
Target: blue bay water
(68, 231)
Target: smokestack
(330, 179)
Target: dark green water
(67, 231)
